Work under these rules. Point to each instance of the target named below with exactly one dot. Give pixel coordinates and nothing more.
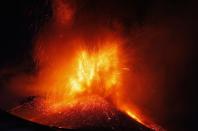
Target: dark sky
(21, 21)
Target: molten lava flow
(131, 114)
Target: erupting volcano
(82, 76)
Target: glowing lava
(72, 67)
(96, 72)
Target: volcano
(82, 75)
(91, 112)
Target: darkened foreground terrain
(11, 122)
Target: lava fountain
(81, 72)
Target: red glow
(73, 67)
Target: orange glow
(95, 71)
(72, 66)
(84, 72)
(132, 115)
(98, 71)
(63, 12)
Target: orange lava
(96, 71)
(72, 67)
